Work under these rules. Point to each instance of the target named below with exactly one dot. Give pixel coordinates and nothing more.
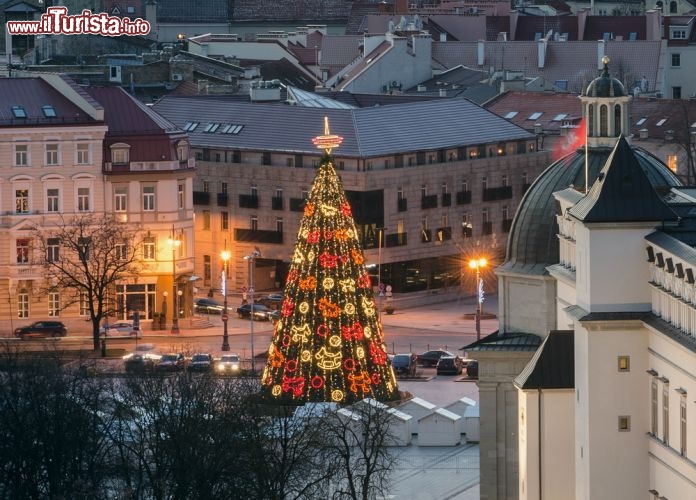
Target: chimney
(582, 22)
(600, 54)
(480, 53)
(400, 7)
(151, 17)
(653, 24)
(541, 53)
(514, 16)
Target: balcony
(222, 199)
(467, 231)
(446, 199)
(297, 204)
(426, 236)
(396, 240)
(506, 225)
(277, 203)
(497, 193)
(201, 198)
(258, 236)
(429, 201)
(402, 204)
(487, 228)
(248, 201)
(149, 166)
(463, 197)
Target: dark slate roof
(672, 244)
(622, 193)
(532, 242)
(366, 132)
(287, 73)
(671, 331)
(553, 365)
(32, 94)
(597, 26)
(458, 82)
(186, 11)
(505, 342)
(529, 26)
(605, 85)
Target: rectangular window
(224, 221)
(21, 155)
(120, 156)
(504, 180)
(83, 157)
(665, 413)
(206, 268)
(23, 251)
(279, 224)
(121, 251)
(484, 182)
(23, 304)
(84, 304)
(148, 198)
(624, 363)
(22, 201)
(254, 191)
(53, 304)
(206, 220)
(485, 215)
(279, 193)
(83, 199)
(224, 188)
(52, 249)
(682, 424)
(121, 199)
(254, 223)
(653, 406)
(624, 423)
(424, 191)
(149, 248)
(676, 60)
(51, 154)
(52, 200)
(206, 186)
(676, 92)
(181, 199)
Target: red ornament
(313, 236)
(328, 234)
(376, 378)
(345, 209)
(317, 382)
(291, 365)
(379, 357)
(287, 307)
(292, 276)
(354, 332)
(349, 364)
(285, 340)
(364, 281)
(294, 384)
(323, 330)
(328, 260)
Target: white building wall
(546, 439)
(526, 303)
(610, 273)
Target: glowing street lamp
(175, 243)
(225, 255)
(477, 264)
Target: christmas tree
(328, 344)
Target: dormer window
(48, 111)
(18, 112)
(120, 153)
(182, 150)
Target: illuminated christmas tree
(329, 344)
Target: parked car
(140, 362)
(449, 365)
(261, 312)
(119, 328)
(171, 362)
(205, 305)
(430, 358)
(404, 364)
(272, 301)
(228, 364)
(201, 362)
(472, 369)
(42, 329)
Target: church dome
(604, 85)
(532, 242)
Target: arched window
(617, 120)
(672, 7)
(603, 128)
(659, 5)
(590, 120)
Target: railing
(396, 240)
(201, 198)
(248, 201)
(222, 199)
(444, 233)
(150, 166)
(463, 197)
(487, 228)
(297, 204)
(258, 236)
(426, 236)
(429, 201)
(402, 204)
(446, 199)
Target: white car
(228, 363)
(119, 328)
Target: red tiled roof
(32, 94)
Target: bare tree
(85, 257)
(360, 437)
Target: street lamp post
(379, 271)
(251, 258)
(175, 244)
(225, 338)
(477, 264)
